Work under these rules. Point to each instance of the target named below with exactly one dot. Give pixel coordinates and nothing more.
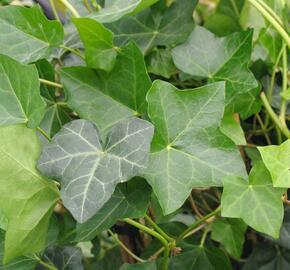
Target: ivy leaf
(130, 200)
(87, 169)
(115, 9)
(230, 233)
(255, 201)
(153, 26)
(231, 128)
(276, 159)
(27, 198)
(56, 113)
(63, 258)
(20, 100)
(26, 34)
(100, 51)
(20, 263)
(188, 149)
(221, 59)
(122, 91)
(199, 257)
(266, 257)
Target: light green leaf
(105, 98)
(20, 100)
(20, 263)
(153, 26)
(27, 199)
(86, 167)
(230, 233)
(130, 200)
(221, 59)
(26, 34)
(188, 149)
(143, 5)
(255, 201)
(100, 51)
(231, 128)
(277, 160)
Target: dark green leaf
(154, 27)
(221, 59)
(140, 266)
(130, 200)
(20, 100)
(188, 149)
(230, 233)
(86, 167)
(26, 34)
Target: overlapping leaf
(27, 198)
(26, 34)
(277, 160)
(98, 41)
(188, 149)
(255, 201)
(129, 200)
(230, 232)
(156, 26)
(20, 100)
(105, 98)
(89, 170)
(221, 59)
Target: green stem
(158, 229)
(50, 83)
(88, 6)
(72, 51)
(118, 241)
(284, 87)
(264, 129)
(44, 133)
(272, 21)
(203, 237)
(274, 117)
(270, 11)
(198, 223)
(69, 6)
(53, 8)
(47, 265)
(156, 235)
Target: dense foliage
(144, 134)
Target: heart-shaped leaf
(255, 201)
(88, 169)
(20, 100)
(188, 149)
(26, 34)
(221, 59)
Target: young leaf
(230, 233)
(64, 258)
(130, 200)
(188, 149)
(221, 59)
(105, 98)
(153, 26)
(255, 201)
(89, 171)
(27, 199)
(277, 160)
(98, 41)
(26, 34)
(20, 100)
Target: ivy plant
(144, 134)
